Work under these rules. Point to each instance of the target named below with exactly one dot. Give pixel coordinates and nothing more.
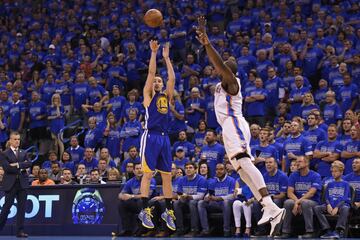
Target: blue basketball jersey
(157, 114)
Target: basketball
(153, 18)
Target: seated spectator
(351, 150)
(95, 177)
(34, 172)
(264, 151)
(81, 174)
(192, 188)
(55, 173)
(131, 131)
(243, 203)
(189, 148)
(43, 179)
(204, 169)
(133, 158)
(180, 159)
(52, 159)
(337, 202)
(276, 182)
(354, 180)
(199, 136)
(130, 202)
(219, 199)
(113, 176)
(230, 168)
(76, 151)
(303, 193)
(213, 151)
(129, 171)
(104, 155)
(66, 177)
(66, 161)
(327, 152)
(103, 168)
(89, 161)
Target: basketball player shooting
(155, 149)
(236, 132)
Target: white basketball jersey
(227, 105)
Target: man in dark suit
(15, 182)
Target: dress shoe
(307, 235)
(283, 236)
(121, 234)
(22, 235)
(204, 234)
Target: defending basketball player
(155, 146)
(236, 132)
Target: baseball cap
(179, 148)
(51, 46)
(195, 89)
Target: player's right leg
(149, 156)
(236, 135)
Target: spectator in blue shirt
(351, 150)
(348, 94)
(195, 108)
(177, 117)
(56, 115)
(116, 74)
(37, 118)
(116, 103)
(332, 111)
(95, 92)
(89, 160)
(76, 151)
(131, 131)
(189, 148)
(180, 160)
(255, 104)
(52, 158)
(275, 92)
(277, 183)
(303, 193)
(133, 158)
(308, 105)
(132, 102)
(192, 188)
(219, 199)
(93, 136)
(79, 92)
(199, 136)
(344, 137)
(264, 151)
(337, 202)
(112, 137)
(210, 116)
(295, 146)
(130, 202)
(297, 95)
(16, 113)
(213, 151)
(354, 180)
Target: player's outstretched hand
(201, 31)
(154, 45)
(166, 50)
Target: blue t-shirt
(15, 112)
(222, 188)
(113, 142)
(326, 146)
(57, 123)
(176, 125)
(256, 108)
(189, 148)
(198, 139)
(131, 133)
(264, 152)
(37, 109)
(332, 113)
(354, 181)
(337, 192)
(194, 117)
(276, 184)
(298, 146)
(353, 146)
(79, 91)
(214, 155)
(348, 94)
(90, 165)
(77, 154)
(302, 184)
(93, 138)
(94, 94)
(192, 186)
(125, 162)
(181, 162)
(132, 186)
(117, 106)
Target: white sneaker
(270, 213)
(276, 223)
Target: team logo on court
(162, 105)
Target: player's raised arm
(148, 88)
(228, 80)
(170, 85)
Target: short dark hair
(192, 164)
(94, 170)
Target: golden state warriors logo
(162, 105)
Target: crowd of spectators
(298, 62)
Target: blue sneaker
(169, 217)
(330, 235)
(145, 218)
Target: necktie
(17, 153)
